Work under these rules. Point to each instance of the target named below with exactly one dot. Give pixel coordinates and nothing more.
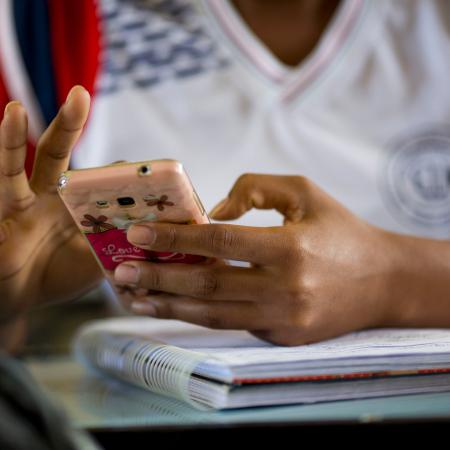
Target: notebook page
(353, 346)
(236, 348)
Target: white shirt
(366, 116)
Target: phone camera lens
(126, 201)
(144, 170)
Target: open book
(233, 369)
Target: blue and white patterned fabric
(151, 41)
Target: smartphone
(105, 201)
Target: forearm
(418, 291)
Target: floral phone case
(105, 201)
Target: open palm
(42, 254)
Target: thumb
(287, 194)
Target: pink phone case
(161, 191)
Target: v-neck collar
(290, 80)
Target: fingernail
(144, 308)
(10, 105)
(70, 95)
(126, 274)
(141, 235)
(218, 208)
(72, 92)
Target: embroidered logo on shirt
(415, 181)
(149, 42)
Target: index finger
(253, 244)
(13, 150)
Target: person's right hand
(43, 256)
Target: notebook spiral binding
(161, 368)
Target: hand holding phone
(105, 201)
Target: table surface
(94, 402)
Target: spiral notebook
(232, 369)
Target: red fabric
(30, 158)
(75, 36)
(4, 97)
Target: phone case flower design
(160, 203)
(97, 224)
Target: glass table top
(96, 402)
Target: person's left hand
(320, 275)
